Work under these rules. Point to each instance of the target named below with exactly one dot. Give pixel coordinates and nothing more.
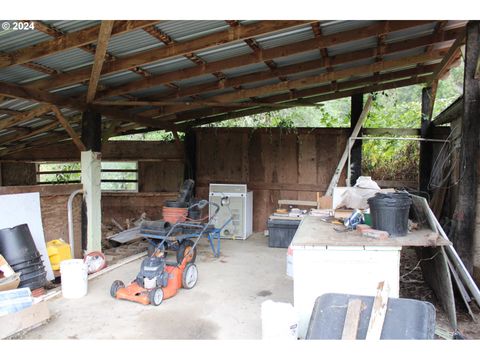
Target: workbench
(327, 261)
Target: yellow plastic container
(58, 250)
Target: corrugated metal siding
(225, 51)
(166, 66)
(67, 26)
(285, 37)
(183, 30)
(132, 42)
(18, 74)
(67, 60)
(11, 40)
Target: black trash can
(389, 212)
(281, 232)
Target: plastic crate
(281, 232)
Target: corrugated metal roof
(11, 40)
(243, 70)
(216, 92)
(337, 26)
(285, 37)
(120, 78)
(410, 33)
(71, 90)
(203, 79)
(306, 74)
(18, 74)
(350, 46)
(157, 90)
(67, 60)
(261, 83)
(183, 30)
(169, 65)
(298, 58)
(225, 51)
(353, 64)
(67, 26)
(402, 54)
(18, 104)
(132, 42)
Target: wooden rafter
(101, 49)
(32, 114)
(199, 102)
(66, 125)
(32, 132)
(443, 65)
(305, 82)
(267, 54)
(308, 95)
(169, 51)
(68, 41)
(209, 120)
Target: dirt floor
(225, 304)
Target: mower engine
(152, 273)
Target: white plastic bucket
(74, 278)
(279, 321)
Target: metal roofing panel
(132, 42)
(197, 80)
(410, 33)
(225, 51)
(156, 90)
(169, 65)
(120, 78)
(67, 60)
(243, 70)
(71, 90)
(18, 104)
(298, 58)
(285, 37)
(183, 30)
(337, 26)
(404, 54)
(67, 26)
(11, 40)
(216, 92)
(353, 64)
(261, 83)
(304, 74)
(350, 46)
(17, 74)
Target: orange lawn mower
(160, 279)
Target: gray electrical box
(236, 201)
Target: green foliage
(160, 135)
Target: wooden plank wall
(17, 174)
(274, 163)
(160, 176)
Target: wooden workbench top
(312, 231)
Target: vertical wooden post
(425, 165)
(190, 145)
(469, 152)
(356, 152)
(91, 181)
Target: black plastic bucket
(389, 212)
(18, 248)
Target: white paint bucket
(279, 321)
(74, 278)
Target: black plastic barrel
(389, 212)
(18, 248)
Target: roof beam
(101, 50)
(443, 66)
(199, 102)
(304, 82)
(68, 41)
(30, 133)
(66, 125)
(307, 95)
(260, 56)
(169, 51)
(26, 116)
(335, 95)
(301, 67)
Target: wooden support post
(91, 180)
(469, 151)
(356, 152)
(426, 148)
(92, 130)
(190, 146)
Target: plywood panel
(17, 174)
(160, 176)
(307, 159)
